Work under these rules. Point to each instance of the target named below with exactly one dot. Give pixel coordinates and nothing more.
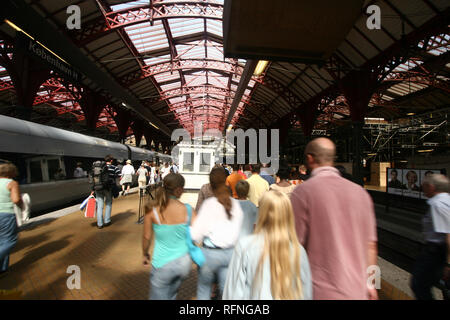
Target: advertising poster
(423, 174)
(395, 181)
(411, 181)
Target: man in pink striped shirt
(335, 223)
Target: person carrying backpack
(103, 179)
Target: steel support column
(92, 105)
(123, 122)
(27, 76)
(358, 88)
(138, 130)
(308, 116)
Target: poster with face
(423, 174)
(411, 180)
(395, 181)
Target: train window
(205, 162)
(188, 161)
(54, 171)
(35, 171)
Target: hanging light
(260, 67)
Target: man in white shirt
(79, 172)
(127, 177)
(165, 171)
(434, 262)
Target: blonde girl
(271, 263)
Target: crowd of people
(147, 174)
(306, 234)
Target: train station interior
(82, 79)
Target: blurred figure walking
(217, 226)
(276, 265)
(335, 222)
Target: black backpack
(99, 176)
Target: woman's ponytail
(217, 179)
(162, 193)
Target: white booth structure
(195, 161)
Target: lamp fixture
(260, 67)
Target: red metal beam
(127, 17)
(180, 64)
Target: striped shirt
(113, 171)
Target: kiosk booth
(195, 160)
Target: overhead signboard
(301, 30)
(47, 58)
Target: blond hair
(281, 245)
(8, 170)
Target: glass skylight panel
(171, 86)
(183, 27)
(410, 64)
(148, 38)
(214, 27)
(195, 80)
(165, 76)
(438, 52)
(214, 53)
(182, 110)
(405, 88)
(218, 81)
(128, 5)
(242, 61)
(386, 97)
(198, 96)
(157, 59)
(177, 100)
(198, 52)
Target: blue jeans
(8, 238)
(216, 264)
(102, 196)
(166, 281)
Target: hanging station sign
(46, 57)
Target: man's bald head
(322, 150)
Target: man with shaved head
(335, 222)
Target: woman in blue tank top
(9, 195)
(165, 224)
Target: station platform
(110, 259)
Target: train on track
(47, 157)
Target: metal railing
(145, 194)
